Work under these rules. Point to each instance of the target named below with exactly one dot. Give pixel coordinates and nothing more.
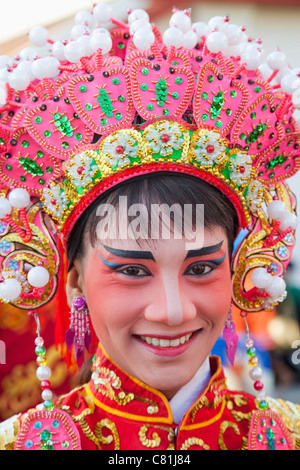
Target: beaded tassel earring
(79, 333)
(230, 337)
(43, 372)
(255, 372)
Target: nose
(170, 305)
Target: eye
(198, 269)
(134, 271)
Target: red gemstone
(80, 170)
(53, 202)
(258, 385)
(210, 149)
(120, 149)
(45, 384)
(165, 138)
(242, 169)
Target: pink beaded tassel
(79, 333)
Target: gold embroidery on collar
(155, 439)
(224, 426)
(194, 441)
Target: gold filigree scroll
(154, 440)
(253, 253)
(22, 256)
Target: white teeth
(166, 343)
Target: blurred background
(277, 334)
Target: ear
(75, 286)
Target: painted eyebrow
(206, 250)
(129, 253)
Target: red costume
(120, 412)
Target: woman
(149, 213)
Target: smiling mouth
(163, 342)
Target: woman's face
(157, 309)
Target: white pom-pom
(190, 39)
(39, 68)
(79, 30)
(234, 34)
(19, 198)
(277, 210)
(52, 66)
(3, 94)
(143, 39)
(200, 29)
(5, 207)
(85, 42)
(216, 41)
(180, 20)
(5, 61)
(10, 289)
(216, 22)
(26, 67)
(102, 13)
(296, 100)
(137, 14)
(100, 39)
(38, 36)
(58, 50)
(265, 70)
(252, 57)
(289, 221)
(74, 51)
(276, 60)
(261, 278)
(173, 37)
(4, 76)
(139, 24)
(83, 17)
(19, 80)
(28, 53)
(290, 83)
(38, 276)
(277, 287)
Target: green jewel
(219, 123)
(65, 145)
(49, 405)
(150, 107)
(210, 78)
(144, 86)
(118, 116)
(82, 88)
(204, 117)
(251, 352)
(47, 133)
(103, 122)
(178, 80)
(65, 444)
(25, 144)
(22, 178)
(88, 106)
(8, 167)
(145, 71)
(49, 169)
(175, 95)
(67, 101)
(41, 181)
(253, 115)
(166, 112)
(56, 116)
(120, 45)
(40, 153)
(257, 89)
(115, 81)
(40, 351)
(204, 95)
(263, 405)
(121, 98)
(259, 437)
(78, 136)
(276, 161)
(228, 112)
(2, 141)
(264, 107)
(233, 93)
(38, 119)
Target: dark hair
(163, 188)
